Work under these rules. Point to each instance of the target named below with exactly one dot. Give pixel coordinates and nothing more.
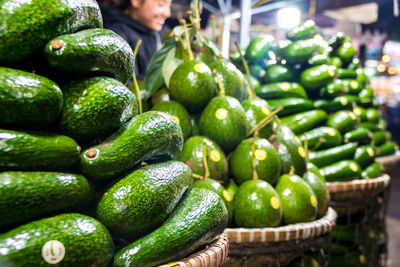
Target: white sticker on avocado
(261, 154)
(227, 196)
(343, 101)
(53, 251)
(177, 119)
(357, 111)
(215, 155)
(353, 167)
(275, 202)
(352, 115)
(221, 114)
(354, 84)
(285, 86)
(370, 152)
(302, 152)
(200, 68)
(313, 201)
(331, 132)
(265, 110)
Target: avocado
(320, 191)
(300, 51)
(194, 122)
(256, 110)
(291, 105)
(305, 30)
(179, 113)
(149, 135)
(346, 52)
(192, 84)
(224, 121)
(280, 90)
(253, 81)
(335, 61)
(340, 171)
(366, 96)
(387, 148)
(316, 77)
(343, 121)
(279, 73)
(372, 170)
(319, 59)
(95, 108)
(299, 203)
(347, 74)
(257, 205)
(28, 100)
(91, 52)
(197, 220)
(28, 195)
(304, 121)
(141, 201)
(28, 25)
(37, 151)
(380, 137)
(321, 138)
(69, 239)
(331, 155)
(373, 115)
(267, 161)
(359, 135)
(258, 72)
(259, 49)
(314, 169)
(364, 155)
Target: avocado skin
(28, 100)
(372, 170)
(28, 25)
(315, 77)
(92, 52)
(291, 105)
(95, 108)
(304, 121)
(321, 138)
(321, 192)
(143, 200)
(280, 90)
(197, 220)
(37, 151)
(149, 135)
(329, 156)
(341, 171)
(258, 49)
(86, 241)
(27, 195)
(306, 30)
(257, 110)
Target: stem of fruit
(206, 170)
(253, 160)
(135, 83)
(219, 83)
(197, 11)
(264, 121)
(188, 47)
(213, 24)
(252, 95)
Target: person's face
(151, 13)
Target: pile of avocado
(326, 98)
(87, 179)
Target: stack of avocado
(326, 100)
(85, 180)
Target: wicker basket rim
(359, 184)
(390, 158)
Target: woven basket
(213, 255)
(349, 197)
(389, 162)
(267, 246)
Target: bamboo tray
(389, 162)
(268, 246)
(213, 255)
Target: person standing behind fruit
(138, 19)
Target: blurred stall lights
(386, 58)
(392, 70)
(381, 68)
(288, 17)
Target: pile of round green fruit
(86, 178)
(326, 98)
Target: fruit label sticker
(285, 86)
(370, 152)
(265, 110)
(221, 114)
(331, 132)
(200, 68)
(301, 151)
(275, 202)
(215, 155)
(357, 111)
(354, 84)
(227, 196)
(343, 101)
(313, 200)
(352, 116)
(53, 251)
(260, 154)
(177, 119)
(353, 167)
(297, 139)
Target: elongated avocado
(258, 48)
(306, 30)
(331, 155)
(304, 121)
(150, 135)
(344, 170)
(280, 90)
(315, 77)
(291, 105)
(300, 51)
(321, 137)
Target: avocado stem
(91, 153)
(253, 160)
(206, 170)
(292, 170)
(246, 68)
(188, 47)
(264, 121)
(197, 10)
(219, 83)
(213, 24)
(56, 45)
(135, 83)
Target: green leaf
(154, 77)
(210, 45)
(169, 65)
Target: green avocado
(141, 201)
(279, 73)
(257, 205)
(343, 121)
(291, 105)
(280, 90)
(259, 48)
(331, 155)
(359, 135)
(372, 170)
(314, 169)
(300, 51)
(28, 25)
(257, 110)
(258, 72)
(306, 30)
(69, 239)
(321, 138)
(364, 155)
(320, 190)
(316, 77)
(319, 59)
(253, 81)
(346, 52)
(373, 115)
(340, 171)
(304, 121)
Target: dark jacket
(131, 30)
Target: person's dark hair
(124, 4)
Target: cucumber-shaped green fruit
(373, 115)
(316, 77)
(141, 201)
(348, 258)
(197, 220)
(193, 153)
(258, 72)
(28, 25)
(91, 52)
(359, 135)
(300, 51)
(380, 137)
(341, 103)
(319, 59)
(192, 84)
(231, 78)
(306, 30)
(28, 100)
(321, 192)
(253, 81)
(290, 150)
(278, 73)
(258, 48)
(366, 96)
(257, 205)
(299, 203)
(346, 52)
(362, 78)
(280, 90)
(37, 151)
(347, 73)
(382, 124)
(337, 40)
(340, 87)
(387, 148)
(179, 113)
(291, 105)
(304, 121)
(360, 112)
(364, 155)
(321, 138)
(344, 170)
(314, 169)
(267, 161)
(369, 125)
(224, 121)
(147, 136)
(343, 121)
(95, 108)
(335, 61)
(372, 171)
(257, 110)
(328, 156)
(66, 240)
(27, 195)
